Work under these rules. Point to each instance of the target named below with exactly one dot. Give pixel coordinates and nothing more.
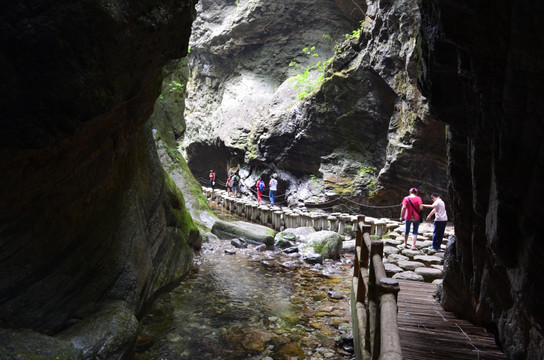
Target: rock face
(362, 127)
(87, 214)
(483, 74)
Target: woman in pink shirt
(411, 214)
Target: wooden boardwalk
(428, 332)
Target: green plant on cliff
(369, 173)
(355, 34)
(304, 81)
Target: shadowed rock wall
(87, 214)
(484, 75)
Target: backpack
(261, 185)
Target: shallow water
(250, 305)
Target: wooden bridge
(395, 320)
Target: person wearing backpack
(260, 188)
(411, 214)
(229, 185)
(235, 181)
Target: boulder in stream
(326, 243)
(252, 233)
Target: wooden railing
(373, 302)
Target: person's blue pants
(407, 226)
(272, 196)
(438, 233)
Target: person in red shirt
(212, 180)
(411, 214)
(260, 187)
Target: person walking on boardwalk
(235, 181)
(229, 185)
(212, 180)
(273, 184)
(440, 220)
(260, 188)
(411, 214)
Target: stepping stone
(411, 253)
(388, 250)
(392, 269)
(410, 265)
(429, 274)
(395, 235)
(391, 242)
(423, 244)
(408, 275)
(428, 260)
(395, 258)
(439, 267)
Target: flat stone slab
(410, 265)
(392, 269)
(410, 253)
(240, 229)
(395, 258)
(395, 235)
(388, 250)
(423, 244)
(429, 274)
(348, 246)
(408, 275)
(391, 242)
(428, 260)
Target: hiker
(411, 214)
(260, 188)
(440, 220)
(235, 181)
(273, 184)
(212, 180)
(229, 185)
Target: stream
(248, 304)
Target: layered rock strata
(483, 73)
(88, 216)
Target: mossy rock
(239, 229)
(326, 243)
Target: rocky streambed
(244, 301)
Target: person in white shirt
(273, 185)
(440, 220)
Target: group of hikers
(233, 183)
(410, 212)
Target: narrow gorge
(112, 114)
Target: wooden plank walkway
(428, 332)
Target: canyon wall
(483, 72)
(323, 94)
(91, 227)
